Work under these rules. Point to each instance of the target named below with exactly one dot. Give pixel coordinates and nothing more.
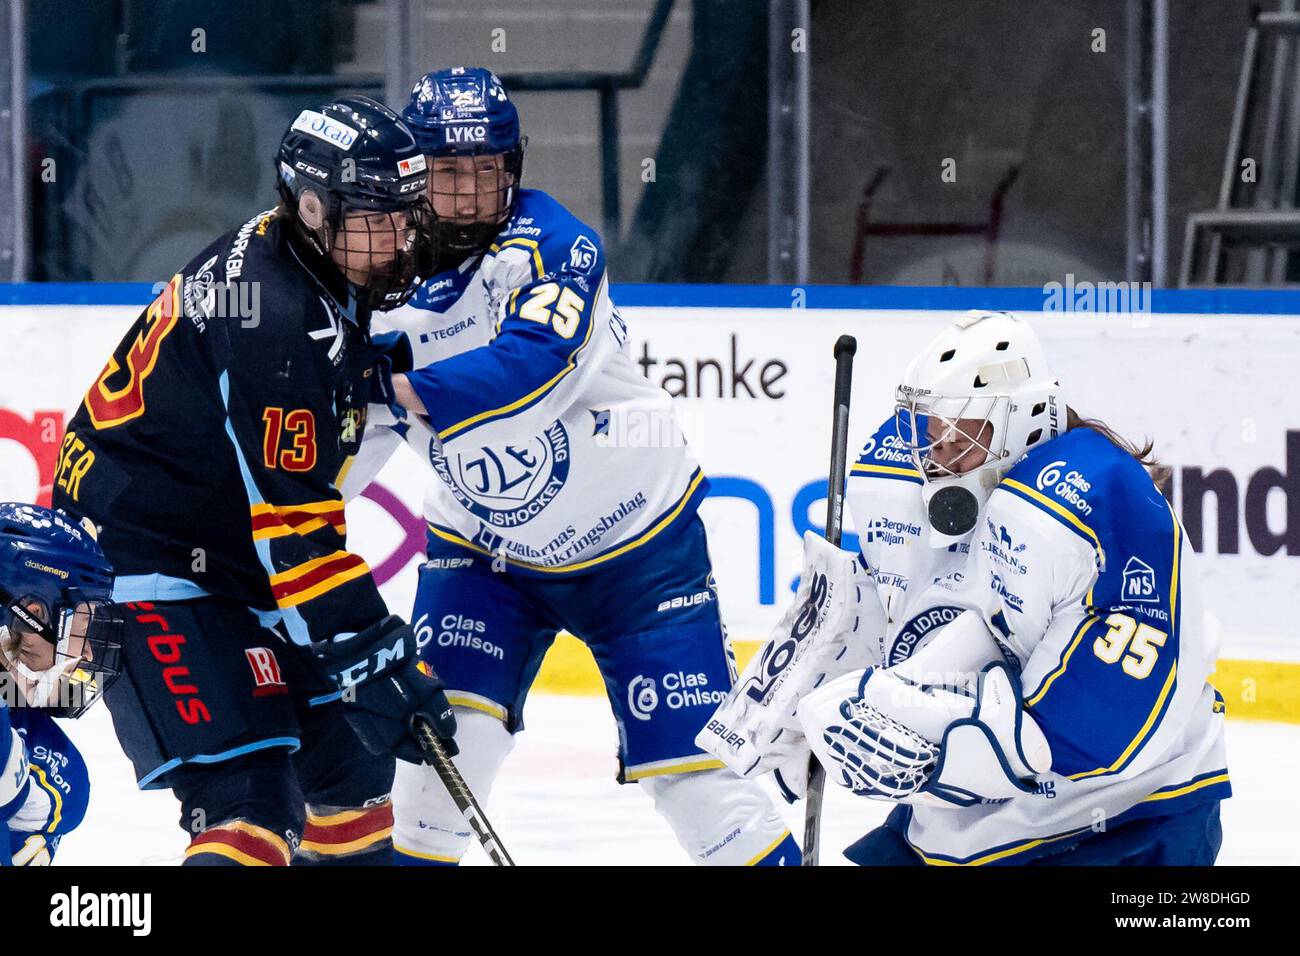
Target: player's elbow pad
(13, 776)
(995, 753)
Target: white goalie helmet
(984, 388)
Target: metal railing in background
(14, 220)
(789, 135)
(1146, 137)
(606, 85)
(1256, 214)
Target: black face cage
(494, 195)
(391, 248)
(96, 623)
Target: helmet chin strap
(952, 505)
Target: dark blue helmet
(60, 642)
(465, 112)
(356, 156)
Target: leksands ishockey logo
(778, 657)
(680, 689)
(911, 634)
(508, 484)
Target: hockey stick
(460, 793)
(845, 347)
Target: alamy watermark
(1100, 297)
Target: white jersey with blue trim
(1082, 573)
(552, 450)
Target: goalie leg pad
(723, 820)
(833, 627)
(427, 827)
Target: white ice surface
(557, 803)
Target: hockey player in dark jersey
(264, 681)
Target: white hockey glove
(996, 752)
(931, 730)
(833, 626)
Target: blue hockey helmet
(60, 641)
(465, 112)
(354, 178)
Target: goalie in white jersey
(564, 499)
(1027, 608)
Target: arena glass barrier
(1207, 374)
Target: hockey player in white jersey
(1036, 689)
(563, 496)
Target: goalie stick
(845, 347)
(460, 794)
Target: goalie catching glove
(833, 626)
(386, 687)
(884, 734)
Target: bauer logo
(326, 129)
(685, 601)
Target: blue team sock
(404, 858)
(785, 853)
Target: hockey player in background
(59, 646)
(264, 681)
(564, 497)
(1037, 656)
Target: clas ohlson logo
(675, 690)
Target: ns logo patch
(508, 484)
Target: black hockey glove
(392, 356)
(386, 687)
(396, 347)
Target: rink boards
(1209, 376)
